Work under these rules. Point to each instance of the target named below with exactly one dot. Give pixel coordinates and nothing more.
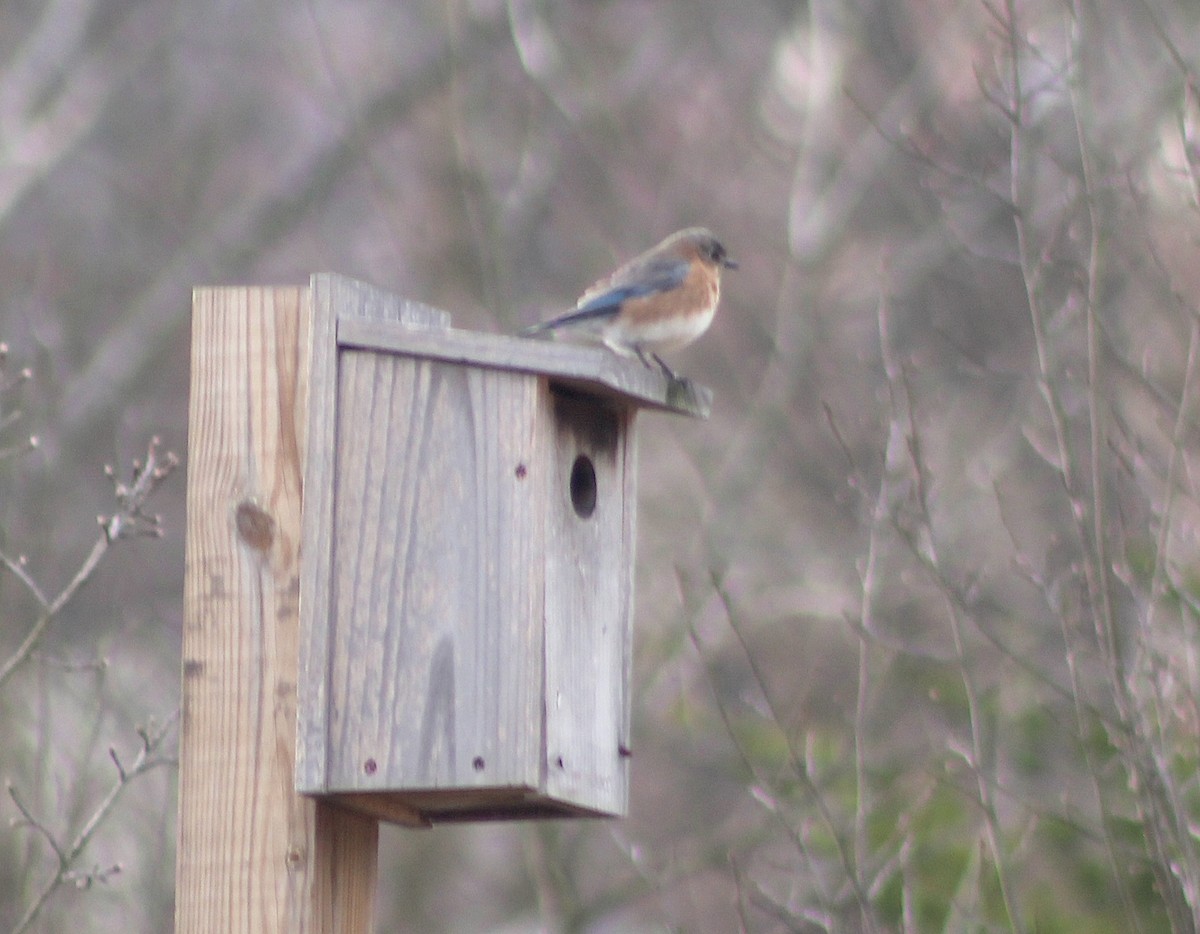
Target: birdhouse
(467, 565)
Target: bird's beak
(729, 264)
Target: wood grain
(436, 671)
(253, 855)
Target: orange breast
(671, 319)
(697, 295)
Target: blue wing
(659, 275)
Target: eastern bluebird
(661, 300)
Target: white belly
(666, 335)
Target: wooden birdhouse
(467, 565)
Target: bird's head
(700, 243)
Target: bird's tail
(542, 330)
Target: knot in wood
(255, 526)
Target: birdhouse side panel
(588, 574)
(436, 660)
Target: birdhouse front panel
(435, 681)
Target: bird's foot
(670, 374)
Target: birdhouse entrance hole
(583, 487)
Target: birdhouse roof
(593, 369)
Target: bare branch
(130, 520)
(146, 760)
(31, 821)
(796, 761)
(147, 476)
(19, 569)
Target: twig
(1106, 628)
(147, 758)
(7, 419)
(18, 568)
(128, 521)
(1094, 578)
(795, 759)
(1160, 801)
(904, 434)
(49, 608)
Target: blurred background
(916, 616)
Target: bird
(661, 300)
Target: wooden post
(253, 855)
